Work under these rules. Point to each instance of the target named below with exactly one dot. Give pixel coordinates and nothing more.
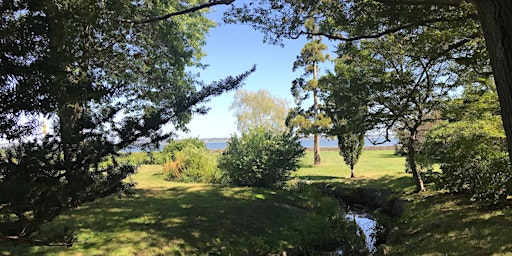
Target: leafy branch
(189, 10)
(382, 33)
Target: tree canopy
(350, 20)
(259, 109)
(105, 82)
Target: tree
(351, 20)
(469, 146)
(105, 82)
(347, 101)
(309, 121)
(259, 109)
(413, 88)
(406, 87)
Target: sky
(231, 50)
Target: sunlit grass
(168, 218)
(375, 168)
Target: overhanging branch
(381, 33)
(190, 10)
(422, 2)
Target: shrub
(190, 161)
(260, 158)
(473, 160)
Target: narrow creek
(357, 206)
(368, 226)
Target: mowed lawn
(168, 218)
(375, 168)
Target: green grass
(375, 168)
(437, 223)
(434, 222)
(167, 218)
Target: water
(308, 143)
(368, 226)
(366, 222)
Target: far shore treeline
(220, 143)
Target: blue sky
(231, 50)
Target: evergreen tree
(105, 82)
(309, 121)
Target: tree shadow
(398, 184)
(443, 224)
(182, 220)
(318, 177)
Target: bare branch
(190, 10)
(421, 2)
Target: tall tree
(309, 121)
(259, 109)
(412, 88)
(104, 81)
(347, 101)
(351, 20)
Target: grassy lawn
(375, 168)
(167, 218)
(435, 222)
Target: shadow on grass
(385, 182)
(183, 220)
(399, 184)
(442, 224)
(318, 177)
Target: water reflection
(368, 226)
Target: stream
(368, 225)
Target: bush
(473, 160)
(190, 161)
(260, 158)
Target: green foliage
(189, 160)
(259, 109)
(174, 146)
(351, 146)
(473, 159)
(33, 191)
(104, 81)
(347, 101)
(260, 158)
(310, 120)
(332, 230)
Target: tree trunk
(316, 146)
(496, 19)
(68, 116)
(316, 149)
(352, 172)
(411, 157)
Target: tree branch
(421, 2)
(382, 33)
(190, 10)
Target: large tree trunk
(352, 172)
(496, 19)
(416, 175)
